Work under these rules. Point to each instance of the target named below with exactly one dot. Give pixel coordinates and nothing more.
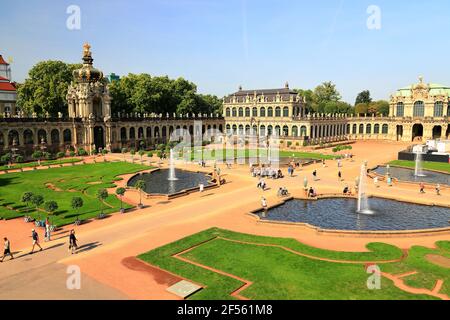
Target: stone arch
(140, 133)
(270, 112)
(303, 131)
(2, 139)
(368, 128)
(241, 112)
(54, 136)
(156, 131)
(123, 134)
(417, 132)
(28, 137)
(354, 128)
(247, 112)
(361, 129)
(254, 112)
(376, 128)
(285, 112)
(42, 136)
(164, 131)
(385, 128)
(234, 112)
(285, 131)
(262, 112)
(278, 130)
(149, 132)
(227, 112)
(277, 112)
(262, 130)
(132, 133)
(294, 131)
(67, 136)
(437, 132)
(13, 136)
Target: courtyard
(210, 238)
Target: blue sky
(221, 44)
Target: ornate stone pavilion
(90, 124)
(417, 112)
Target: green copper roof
(435, 90)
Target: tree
(27, 197)
(132, 152)
(37, 155)
(76, 204)
(383, 107)
(46, 88)
(121, 192)
(141, 154)
(37, 200)
(310, 102)
(326, 92)
(140, 186)
(50, 206)
(361, 108)
(102, 194)
(363, 97)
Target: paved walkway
(108, 243)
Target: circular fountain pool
(157, 182)
(340, 214)
(405, 174)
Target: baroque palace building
(418, 112)
(91, 125)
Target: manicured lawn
(439, 166)
(43, 163)
(275, 273)
(61, 185)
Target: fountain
(418, 172)
(363, 202)
(172, 175)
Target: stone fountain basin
(340, 214)
(157, 182)
(406, 174)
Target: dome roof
(87, 73)
(434, 89)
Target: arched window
(385, 129)
(54, 135)
(368, 128)
(354, 129)
(277, 112)
(149, 132)
(13, 137)
(141, 133)
(438, 109)
(270, 112)
(285, 131)
(303, 131)
(285, 112)
(269, 130)
(241, 129)
(278, 130)
(241, 112)
(247, 112)
(376, 129)
(42, 136)
(227, 112)
(67, 136)
(163, 132)
(28, 137)
(254, 130)
(419, 109)
(234, 129)
(247, 129)
(254, 112)
(156, 131)
(132, 133)
(361, 128)
(348, 129)
(262, 112)
(262, 130)
(400, 109)
(234, 113)
(294, 131)
(123, 134)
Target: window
(277, 112)
(376, 129)
(270, 112)
(262, 112)
(361, 128)
(419, 109)
(227, 112)
(438, 109)
(385, 129)
(354, 129)
(295, 131)
(254, 112)
(400, 109)
(234, 113)
(241, 112)
(262, 130)
(368, 129)
(247, 112)
(285, 112)
(285, 131)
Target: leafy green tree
(383, 107)
(45, 89)
(102, 194)
(363, 97)
(50, 206)
(27, 197)
(76, 204)
(121, 192)
(326, 92)
(141, 154)
(361, 108)
(140, 186)
(37, 200)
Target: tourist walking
(323, 163)
(340, 175)
(422, 187)
(375, 182)
(438, 189)
(314, 175)
(7, 249)
(35, 237)
(72, 242)
(264, 203)
(47, 230)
